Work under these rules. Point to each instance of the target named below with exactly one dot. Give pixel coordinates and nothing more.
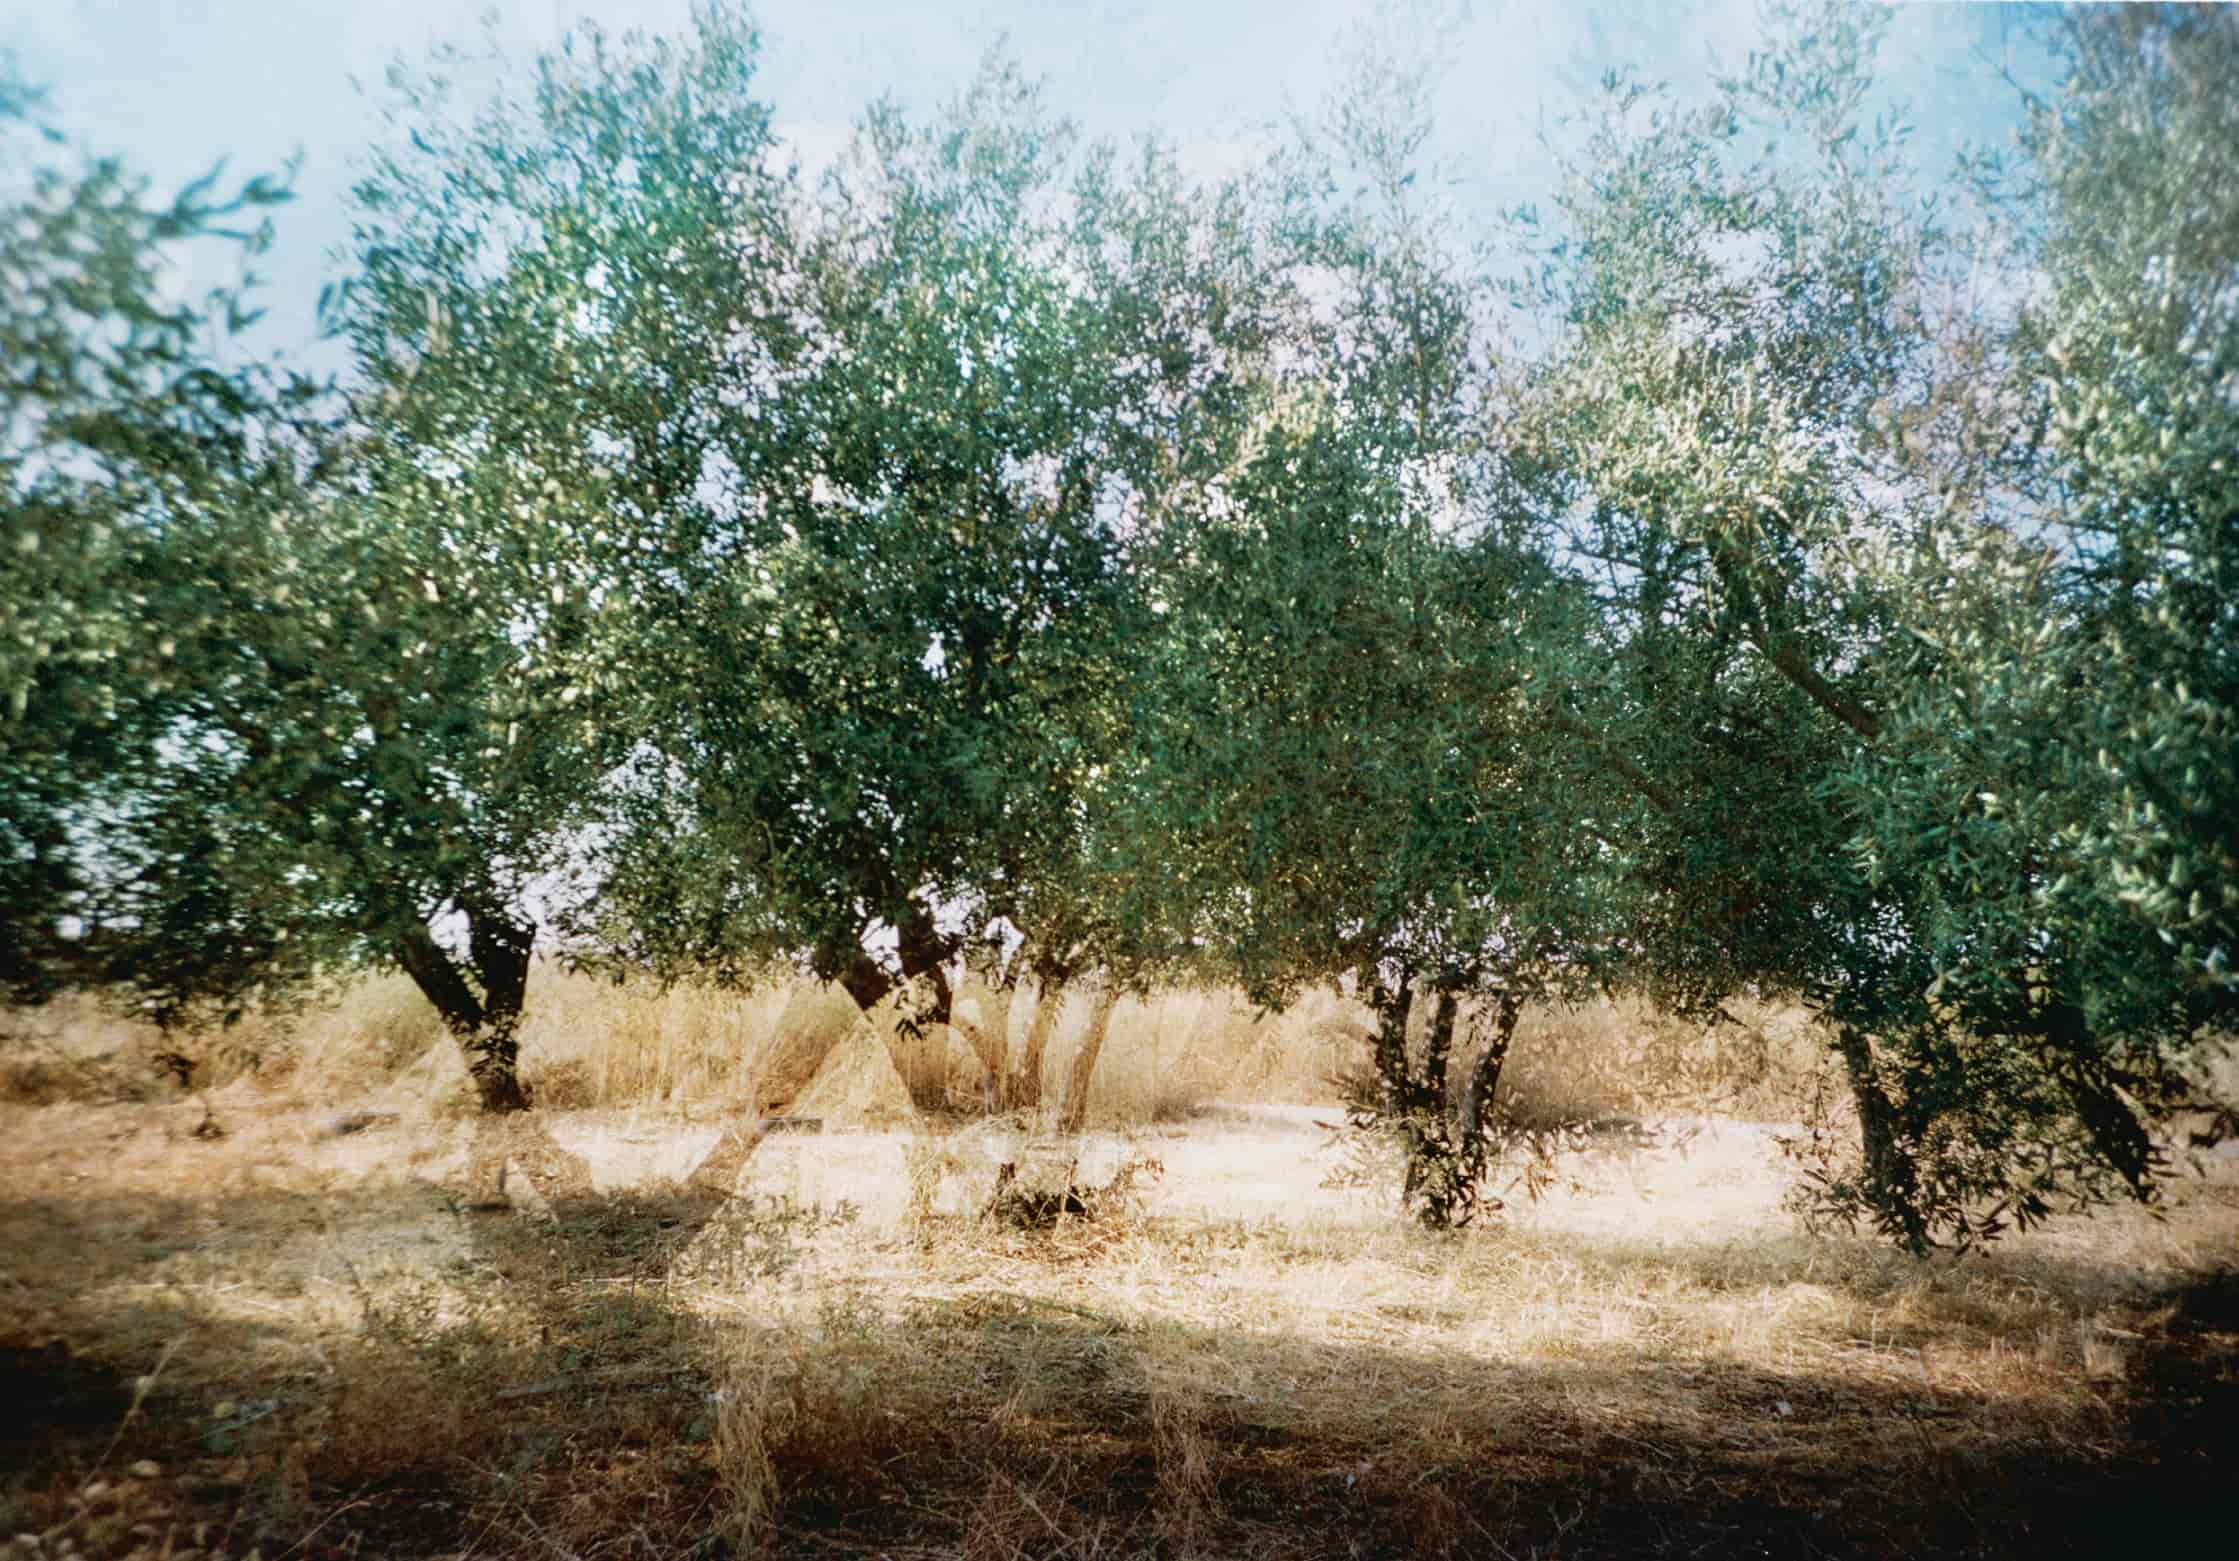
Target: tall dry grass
(690, 1050)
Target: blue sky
(174, 85)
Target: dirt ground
(232, 1328)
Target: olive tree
(906, 626)
(533, 405)
(135, 459)
(1346, 765)
(1857, 642)
(2052, 784)
(2077, 706)
(1737, 412)
(2133, 349)
(385, 741)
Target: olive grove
(1005, 563)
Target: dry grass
(310, 1344)
(291, 1341)
(595, 1045)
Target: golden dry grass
(289, 1340)
(593, 1044)
(338, 1355)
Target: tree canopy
(1007, 552)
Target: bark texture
(481, 1002)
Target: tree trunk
(924, 957)
(2102, 1095)
(1394, 1007)
(1439, 1168)
(1484, 1079)
(1438, 1049)
(486, 1023)
(1446, 1152)
(1050, 980)
(867, 981)
(990, 1036)
(1892, 1181)
(920, 1048)
(802, 1049)
(1075, 1109)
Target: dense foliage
(135, 468)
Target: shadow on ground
(555, 1393)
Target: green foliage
(1343, 752)
(909, 632)
(1876, 651)
(1009, 537)
(2134, 350)
(531, 409)
(124, 443)
(2061, 776)
(376, 717)
(1742, 292)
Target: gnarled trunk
(1484, 1079)
(918, 1041)
(1446, 1147)
(802, 1049)
(482, 1014)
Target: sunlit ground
(293, 1341)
